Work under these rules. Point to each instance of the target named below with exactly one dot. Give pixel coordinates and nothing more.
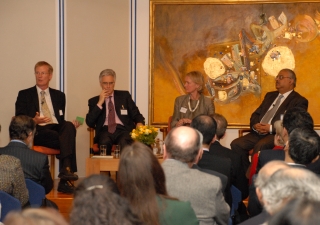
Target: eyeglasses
(281, 77)
(108, 83)
(40, 73)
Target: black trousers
(59, 136)
(120, 137)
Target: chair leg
(52, 167)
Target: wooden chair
(50, 152)
(94, 148)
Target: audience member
(142, 183)
(33, 216)
(97, 202)
(207, 126)
(12, 180)
(284, 185)
(35, 165)
(47, 108)
(297, 212)
(182, 149)
(194, 103)
(271, 109)
(113, 113)
(238, 178)
(255, 208)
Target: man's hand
(139, 124)
(76, 123)
(103, 95)
(262, 128)
(39, 119)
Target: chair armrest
(241, 132)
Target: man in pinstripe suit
(35, 165)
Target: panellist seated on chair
(113, 113)
(47, 108)
(194, 103)
(35, 165)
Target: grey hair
(286, 184)
(107, 72)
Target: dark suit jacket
(35, 165)
(218, 164)
(122, 100)
(238, 176)
(256, 220)
(294, 99)
(28, 103)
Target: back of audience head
(267, 170)
(35, 216)
(286, 184)
(206, 125)
(222, 124)
(304, 145)
(278, 137)
(297, 117)
(22, 128)
(298, 211)
(141, 178)
(183, 144)
(97, 201)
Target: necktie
(270, 114)
(111, 117)
(44, 107)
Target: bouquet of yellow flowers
(145, 134)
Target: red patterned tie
(111, 117)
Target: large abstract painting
(238, 46)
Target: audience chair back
(50, 152)
(8, 203)
(36, 193)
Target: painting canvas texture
(239, 49)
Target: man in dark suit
(271, 109)
(238, 178)
(35, 165)
(207, 126)
(47, 108)
(113, 113)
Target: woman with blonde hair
(194, 103)
(142, 182)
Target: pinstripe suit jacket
(12, 180)
(202, 190)
(35, 165)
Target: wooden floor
(64, 201)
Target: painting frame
(154, 102)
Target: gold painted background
(183, 35)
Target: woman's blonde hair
(197, 78)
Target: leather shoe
(65, 186)
(66, 174)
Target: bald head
(269, 169)
(183, 144)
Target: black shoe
(65, 186)
(66, 174)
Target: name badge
(183, 110)
(124, 112)
(60, 112)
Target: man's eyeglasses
(40, 73)
(108, 83)
(280, 77)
